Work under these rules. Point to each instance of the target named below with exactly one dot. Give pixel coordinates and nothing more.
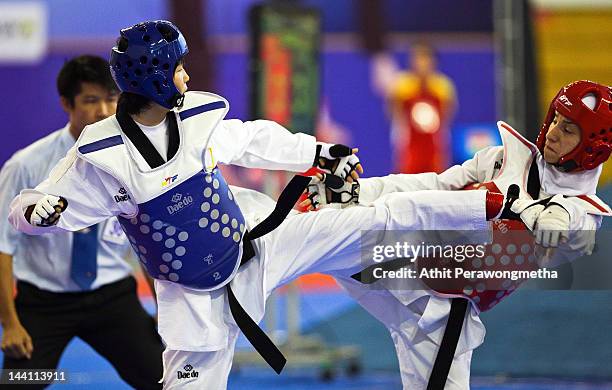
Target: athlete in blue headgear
(154, 165)
(145, 59)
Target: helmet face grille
(144, 60)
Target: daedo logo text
(180, 202)
(122, 196)
(188, 372)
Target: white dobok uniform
(416, 318)
(105, 175)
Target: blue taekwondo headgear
(145, 58)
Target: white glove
(314, 191)
(333, 151)
(47, 210)
(528, 211)
(337, 159)
(548, 222)
(346, 166)
(320, 193)
(552, 226)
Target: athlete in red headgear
(583, 109)
(556, 178)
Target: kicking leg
(329, 240)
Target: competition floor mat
(88, 370)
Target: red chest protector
(511, 248)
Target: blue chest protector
(190, 235)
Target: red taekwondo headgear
(588, 105)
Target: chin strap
(177, 100)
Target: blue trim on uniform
(200, 109)
(101, 144)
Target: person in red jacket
(421, 102)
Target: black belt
(256, 336)
(448, 346)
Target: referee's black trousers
(110, 319)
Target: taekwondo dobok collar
(553, 181)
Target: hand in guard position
(46, 212)
(339, 160)
(547, 219)
(320, 193)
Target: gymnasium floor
(87, 370)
